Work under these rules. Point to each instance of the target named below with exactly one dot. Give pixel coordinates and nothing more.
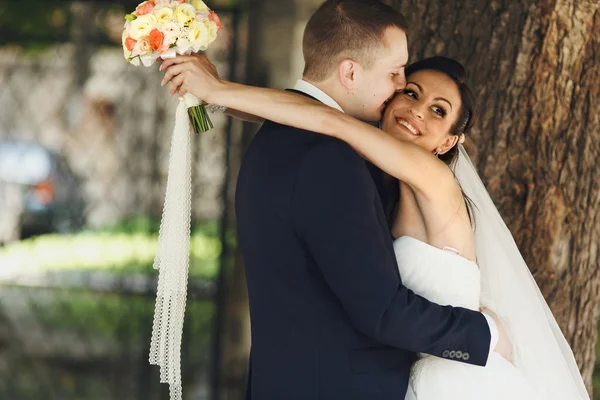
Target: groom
(330, 317)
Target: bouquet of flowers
(165, 28)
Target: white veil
(508, 288)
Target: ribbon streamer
(172, 258)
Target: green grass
(108, 336)
(93, 339)
(129, 247)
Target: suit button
(445, 354)
(459, 354)
(452, 354)
(466, 356)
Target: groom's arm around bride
(336, 208)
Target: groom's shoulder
(310, 143)
(332, 157)
(302, 137)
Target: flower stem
(199, 119)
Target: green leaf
(130, 17)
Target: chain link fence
(84, 147)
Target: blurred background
(84, 147)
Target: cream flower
(212, 28)
(142, 47)
(141, 26)
(199, 5)
(171, 30)
(185, 13)
(163, 15)
(126, 29)
(198, 36)
(183, 45)
(135, 61)
(124, 36)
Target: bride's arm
(244, 116)
(403, 160)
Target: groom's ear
(348, 73)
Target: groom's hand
(504, 346)
(193, 74)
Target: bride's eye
(439, 111)
(410, 93)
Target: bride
(450, 241)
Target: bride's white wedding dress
(446, 278)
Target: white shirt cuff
(493, 332)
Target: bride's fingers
(177, 60)
(173, 71)
(175, 84)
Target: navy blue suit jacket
(330, 318)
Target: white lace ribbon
(190, 100)
(172, 257)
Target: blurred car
(38, 192)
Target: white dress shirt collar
(312, 90)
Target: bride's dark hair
(455, 71)
(466, 117)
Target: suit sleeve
(334, 206)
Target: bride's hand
(193, 74)
(504, 346)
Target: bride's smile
(426, 111)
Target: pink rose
(130, 43)
(156, 39)
(144, 8)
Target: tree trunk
(535, 69)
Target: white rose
(141, 26)
(171, 31)
(148, 61)
(163, 15)
(171, 53)
(126, 28)
(202, 16)
(124, 36)
(198, 36)
(185, 13)
(183, 45)
(135, 61)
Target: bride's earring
(437, 152)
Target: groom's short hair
(342, 29)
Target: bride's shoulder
(439, 187)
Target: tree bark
(535, 69)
